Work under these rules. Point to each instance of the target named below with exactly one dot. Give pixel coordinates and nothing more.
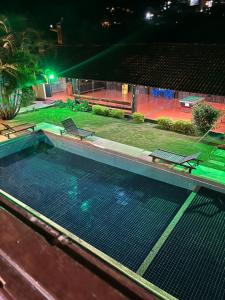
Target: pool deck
(200, 172)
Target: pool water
(191, 264)
(118, 212)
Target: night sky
(82, 21)
(46, 12)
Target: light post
(50, 77)
(58, 29)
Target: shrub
(165, 123)
(100, 110)
(81, 105)
(60, 104)
(204, 116)
(116, 113)
(137, 117)
(70, 103)
(184, 127)
(177, 126)
(28, 96)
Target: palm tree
(18, 68)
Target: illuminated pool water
(121, 213)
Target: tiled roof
(196, 68)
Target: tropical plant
(204, 117)
(82, 105)
(60, 103)
(70, 103)
(28, 96)
(18, 69)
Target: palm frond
(4, 24)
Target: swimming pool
(121, 213)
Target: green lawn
(145, 135)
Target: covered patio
(152, 107)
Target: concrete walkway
(101, 143)
(35, 106)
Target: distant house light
(194, 2)
(149, 15)
(209, 3)
(106, 24)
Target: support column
(75, 84)
(134, 98)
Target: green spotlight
(51, 76)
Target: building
(151, 79)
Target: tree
(204, 117)
(18, 68)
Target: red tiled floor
(151, 107)
(59, 96)
(155, 107)
(219, 128)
